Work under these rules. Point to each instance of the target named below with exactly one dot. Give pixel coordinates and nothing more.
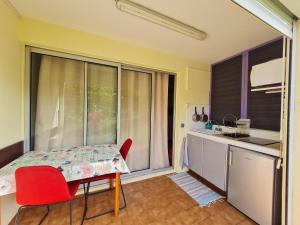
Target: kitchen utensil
(196, 116)
(203, 116)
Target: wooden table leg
(117, 195)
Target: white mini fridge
(254, 185)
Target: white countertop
(273, 150)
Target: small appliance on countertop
(243, 126)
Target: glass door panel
(59, 98)
(102, 104)
(136, 116)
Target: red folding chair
(42, 186)
(124, 152)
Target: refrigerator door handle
(278, 164)
(230, 158)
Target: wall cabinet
(208, 159)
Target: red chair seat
(42, 185)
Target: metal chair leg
(123, 207)
(70, 203)
(102, 213)
(86, 192)
(84, 189)
(42, 220)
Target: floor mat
(194, 188)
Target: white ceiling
(293, 6)
(230, 29)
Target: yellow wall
(18, 32)
(10, 94)
(49, 36)
(10, 79)
(296, 154)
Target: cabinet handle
(230, 158)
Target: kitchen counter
(273, 149)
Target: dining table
(75, 163)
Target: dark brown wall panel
(10, 153)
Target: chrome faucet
(230, 115)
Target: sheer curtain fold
(59, 115)
(136, 116)
(159, 140)
(150, 138)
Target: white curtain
(159, 140)
(102, 104)
(150, 149)
(136, 117)
(59, 116)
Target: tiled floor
(157, 201)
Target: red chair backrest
(39, 185)
(125, 148)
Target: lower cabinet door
(251, 184)
(215, 163)
(194, 148)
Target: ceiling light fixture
(159, 18)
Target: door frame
(272, 18)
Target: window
(264, 109)
(231, 89)
(80, 101)
(226, 89)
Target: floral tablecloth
(75, 163)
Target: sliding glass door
(102, 104)
(136, 104)
(73, 103)
(77, 101)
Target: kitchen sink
(206, 131)
(235, 135)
